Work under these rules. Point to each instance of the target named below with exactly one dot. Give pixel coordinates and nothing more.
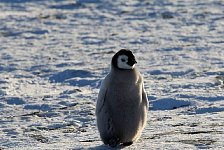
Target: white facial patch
(122, 62)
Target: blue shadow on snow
(209, 110)
(74, 77)
(168, 104)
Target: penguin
(122, 104)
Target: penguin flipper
(102, 95)
(144, 97)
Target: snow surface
(53, 55)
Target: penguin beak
(132, 62)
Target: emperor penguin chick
(122, 104)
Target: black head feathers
(124, 54)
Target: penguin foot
(127, 143)
(113, 142)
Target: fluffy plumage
(122, 103)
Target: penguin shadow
(106, 147)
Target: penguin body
(122, 103)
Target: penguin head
(124, 59)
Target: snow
(53, 55)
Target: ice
(54, 54)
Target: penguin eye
(123, 60)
